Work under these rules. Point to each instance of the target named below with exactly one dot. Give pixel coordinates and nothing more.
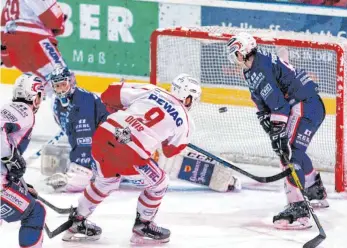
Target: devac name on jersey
(168, 108)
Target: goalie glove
(264, 120)
(279, 140)
(15, 164)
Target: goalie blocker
(196, 168)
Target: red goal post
(200, 52)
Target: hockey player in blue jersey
(18, 202)
(78, 113)
(290, 111)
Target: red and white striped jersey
(34, 16)
(155, 118)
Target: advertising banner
(328, 25)
(108, 36)
(332, 3)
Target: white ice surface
(196, 216)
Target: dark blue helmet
(63, 83)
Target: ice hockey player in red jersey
(28, 35)
(145, 118)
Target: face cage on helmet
(63, 96)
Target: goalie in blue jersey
(290, 111)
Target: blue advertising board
(307, 23)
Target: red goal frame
(340, 72)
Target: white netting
(236, 133)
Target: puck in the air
(223, 109)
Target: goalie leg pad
(74, 180)
(199, 169)
(223, 180)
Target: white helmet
(26, 88)
(243, 43)
(185, 87)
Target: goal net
(235, 133)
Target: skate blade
(78, 237)
(319, 203)
(141, 240)
(299, 224)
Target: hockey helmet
(27, 88)
(63, 83)
(186, 89)
(243, 43)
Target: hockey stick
(269, 179)
(321, 236)
(56, 209)
(63, 227)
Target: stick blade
(63, 227)
(313, 243)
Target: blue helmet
(61, 75)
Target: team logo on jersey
(123, 136)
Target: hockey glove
(32, 191)
(280, 141)
(15, 164)
(264, 120)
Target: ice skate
(82, 230)
(296, 216)
(147, 232)
(317, 194)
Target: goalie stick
(321, 236)
(269, 179)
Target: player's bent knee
(106, 185)
(31, 231)
(161, 186)
(30, 237)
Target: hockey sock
(148, 204)
(95, 193)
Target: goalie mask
(63, 83)
(28, 88)
(242, 43)
(186, 89)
